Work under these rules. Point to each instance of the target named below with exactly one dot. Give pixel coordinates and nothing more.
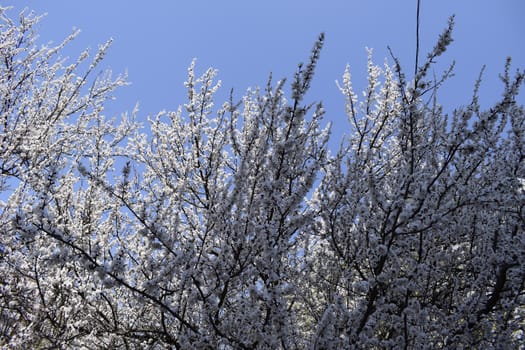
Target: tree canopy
(236, 227)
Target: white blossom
(232, 226)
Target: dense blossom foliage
(234, 227)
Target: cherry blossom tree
(51, 121)
(235, 227)
(420, 226)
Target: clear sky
(155, 41)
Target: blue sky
(155, 42)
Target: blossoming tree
(234, 227)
